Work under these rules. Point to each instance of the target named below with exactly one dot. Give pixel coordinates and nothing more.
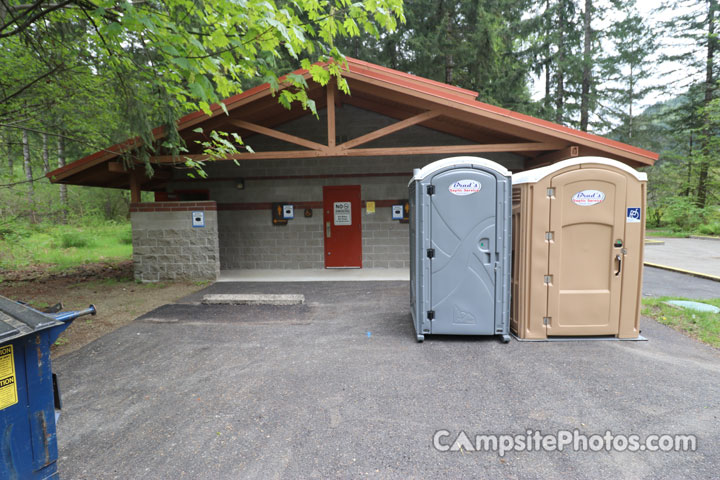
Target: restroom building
(325, 191)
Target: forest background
(77, 76)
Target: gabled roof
(389, 92)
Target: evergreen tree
(693, 28)
(626, 71)
(473, 44)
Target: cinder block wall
(249, 240)
(167, 247)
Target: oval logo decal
(588, 198)
(464, 187)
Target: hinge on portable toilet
(551, 192)
(548, 279)
(431, 314)
(546, 320)
(431, 189)
(549, 236)
(430, 252)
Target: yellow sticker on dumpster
(8, 387)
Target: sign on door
(343, 215)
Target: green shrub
(653, 219)
(710, 229)
(681, 214)
(75, 239)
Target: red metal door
(341, 226)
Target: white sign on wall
(198, 219)
(343, 216)
(588, 198)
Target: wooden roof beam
(383, 132)
(371, 152)
(451, 149)
(285, 137)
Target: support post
(331, 115)
(134, 187)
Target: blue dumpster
(29, 395)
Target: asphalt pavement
(692, 254)
(339, 388)
(662, 283)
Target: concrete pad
(696, 306)
(324, 275)
(252, 299)
(221, 392)
(692, 254)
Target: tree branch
(32, 18)
(30, 84)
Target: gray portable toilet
(460, 227)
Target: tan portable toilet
(578, 230)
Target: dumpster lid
(17, 320)
(536, 174)
(429, 169)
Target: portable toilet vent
(578, 229)
(460, 224)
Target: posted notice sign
(343, 216)
(8, 387)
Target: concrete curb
(682, 270)
(253, 299)
(704, 237)
(654, 242)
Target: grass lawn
(704, 326)
(64, 246)
(670, 233)
(665, 232)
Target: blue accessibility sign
(633, 215)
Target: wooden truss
(350, 147)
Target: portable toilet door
(580, 227)
(460, 247)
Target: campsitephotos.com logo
(574, 440)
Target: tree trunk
(686, 192)
(709, 88)
(559, 65)
(448, 40)
(548, 59)
(45, 154)
(7, 148)
(63, 187)
(587, 68)
(29, 176)
(631, 97)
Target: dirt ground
(110, 287)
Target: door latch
(327, 229)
